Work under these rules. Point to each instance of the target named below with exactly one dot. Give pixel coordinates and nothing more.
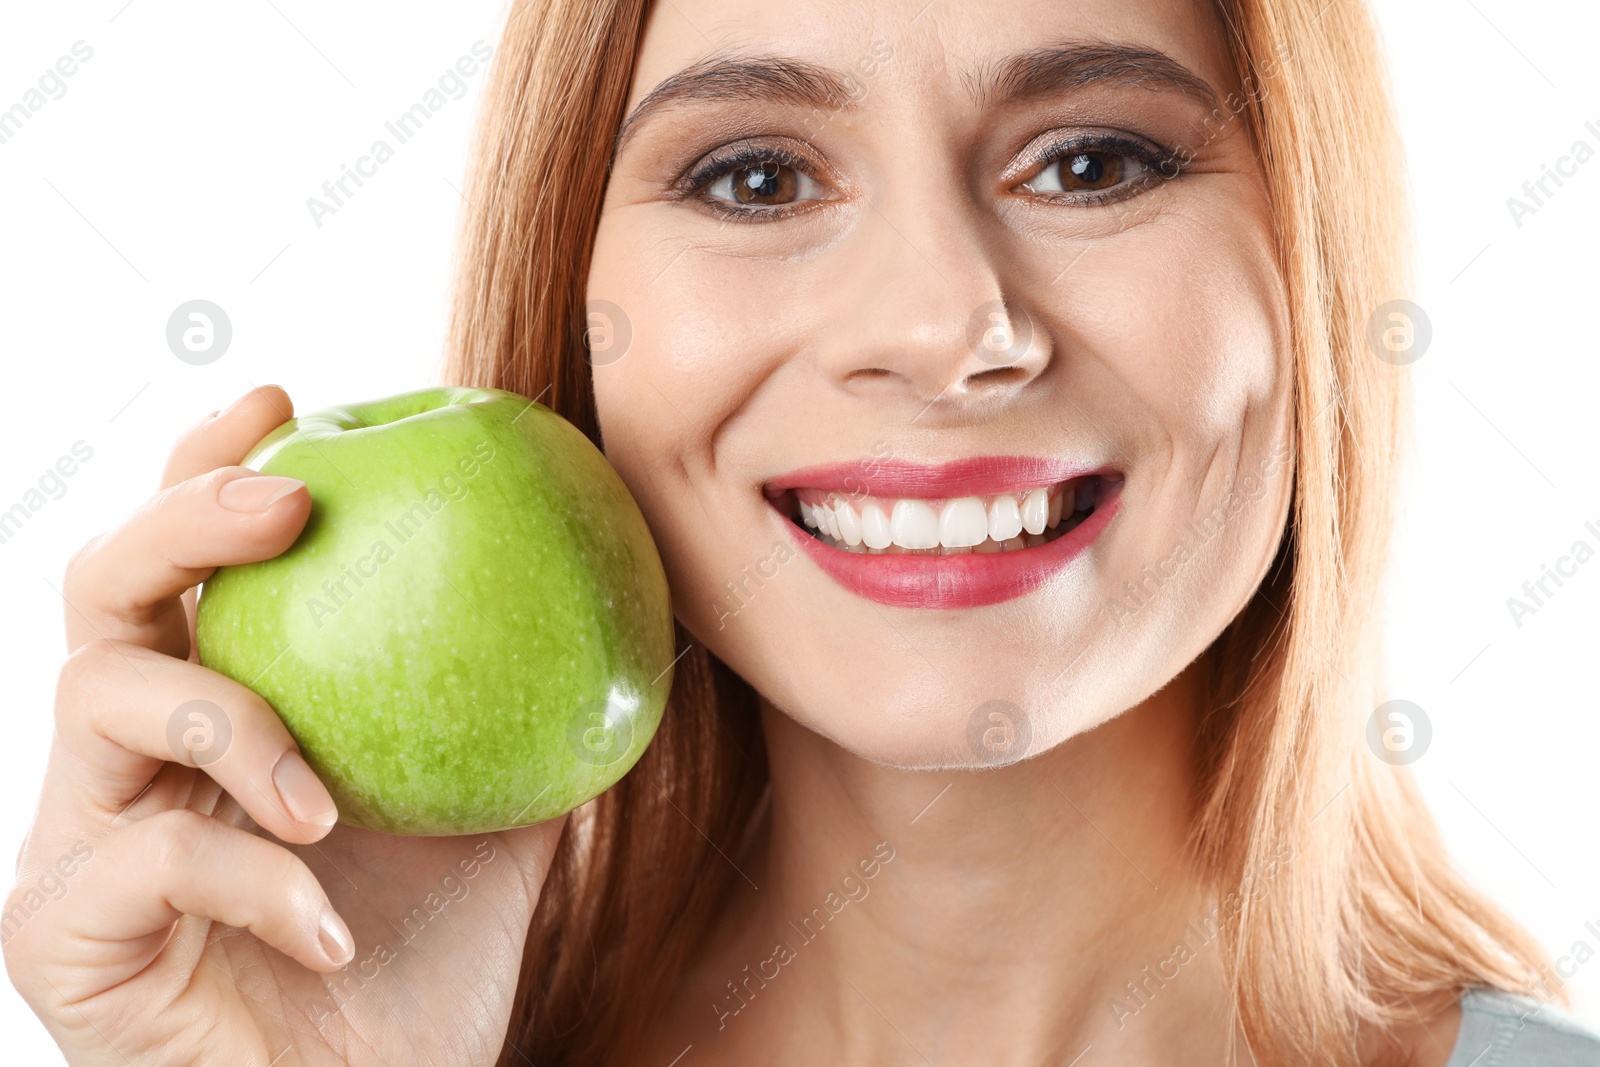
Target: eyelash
(1160, 164)
(702, 177)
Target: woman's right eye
(753, 185)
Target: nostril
(994, 376)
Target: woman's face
(934, 277)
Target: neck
(912, 916)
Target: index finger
(224, 438)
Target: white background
(178, 164)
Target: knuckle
(187, 440)
(81, 562)
(13, 907)
(285, 869)
(177, 838)
(17, 949)
(208, 484)
(82, 669)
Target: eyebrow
(1062, 68)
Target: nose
(922, 314)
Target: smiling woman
(1108, 253)
(996, 388)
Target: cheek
(1185, 329)
(1187, 355)
(696, 348)
(693, 357)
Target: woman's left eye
(1087, 172)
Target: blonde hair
(1365, 924)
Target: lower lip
(973, 580)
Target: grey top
(1504, 1030)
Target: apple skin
(472, 633)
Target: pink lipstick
(962, 534)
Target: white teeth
(1005, 521)
(849, 523)
(875, 527)
(962, 523)
(914, 524)
(1036, 511)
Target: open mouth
(999, 522)
(962, 534)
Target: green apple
(472, 633)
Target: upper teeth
(964, 522)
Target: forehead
(939, 47)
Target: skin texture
(1018, 901)
(1005, 907)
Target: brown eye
(1093, 170)
(1086, 172)
(768, 182)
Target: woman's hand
(155, 920)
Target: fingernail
(302, 793)
(256, 493)
(334, 937)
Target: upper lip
(976, 476)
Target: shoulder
(1505, 1030)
